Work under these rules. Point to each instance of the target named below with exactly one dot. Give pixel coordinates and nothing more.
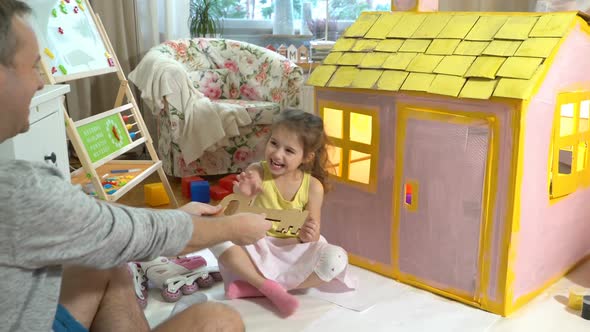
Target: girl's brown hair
(310, 129)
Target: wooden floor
(135, 197)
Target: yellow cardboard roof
(465, 55)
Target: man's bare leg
(205, 317)
(104, 300)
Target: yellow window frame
(347, 145)
(564, 184)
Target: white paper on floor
(414, 310)
(372, 289)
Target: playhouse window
(353, 146)
(335, 157)
(571, 137)
(333, 122)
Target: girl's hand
(310, 231)
(248, 183)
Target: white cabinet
(46, 139)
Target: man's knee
(212, 316)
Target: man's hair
(8, 39)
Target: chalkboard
(99, 136)
(70, 43)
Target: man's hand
(201, 209)
(247, 228)
(248, 183)
(310, 231)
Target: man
(46, 224)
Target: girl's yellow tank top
(271, 198)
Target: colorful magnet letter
(63, 69)
(111, 62)
(49, 53)
(54, 12)
(116, 133)
(60, 30)
(53, 70)
(81, 7)
(76, 10)
(63, 8)
(67, 1)
(79, 1)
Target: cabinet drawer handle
(51, 157)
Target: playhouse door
(444, 160)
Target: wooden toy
(155, 194)
(282, 50)
(286, 221)
(292, 53)
(100, 139)
(461, 150)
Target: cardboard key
(286, 221)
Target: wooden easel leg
(150, 146)
(166, 184)
(121, 93)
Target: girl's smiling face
(284, 151)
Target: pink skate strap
(190, 263)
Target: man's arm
(241, 228)
(47, 221)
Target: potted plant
(205, 17)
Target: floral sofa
(228, 71)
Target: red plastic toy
(227, 182)
(218, 192)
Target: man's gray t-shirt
(45, 222)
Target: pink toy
(140, 283)
(180, 276)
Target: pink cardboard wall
(361, 221)
(552, 237)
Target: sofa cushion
(216, 83)
(261, 112)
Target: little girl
(291, 176)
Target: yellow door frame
(407, 111)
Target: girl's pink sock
(285, 302)
(239, 289)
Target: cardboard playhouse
(460, 145)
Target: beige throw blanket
(207, 125)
